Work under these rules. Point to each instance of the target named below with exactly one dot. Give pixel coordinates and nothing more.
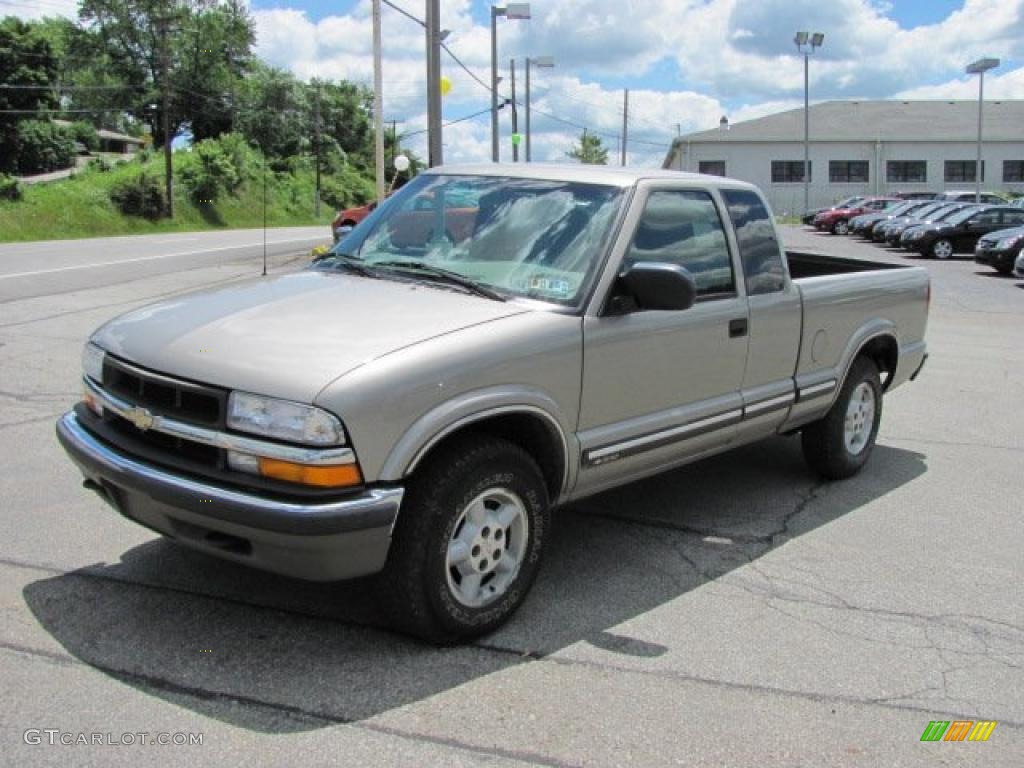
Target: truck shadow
(276, 655)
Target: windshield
(929, 209)
(958, 217)
(521, 237)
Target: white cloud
(1009, 85)
(709, 57)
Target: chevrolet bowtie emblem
(140, 417)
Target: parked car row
(950, 224)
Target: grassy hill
(80, 206)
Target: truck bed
(805, 264)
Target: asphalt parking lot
(737, 612)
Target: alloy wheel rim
(487, 547)
(860, 419)
(943, 249)
(842, 228)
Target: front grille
(181, 400)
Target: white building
(864, 147)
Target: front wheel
(837, 446)
(841, 227)
(468, 541)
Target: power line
(450, 122)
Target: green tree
(208, 47)
(26, 59)
(590, 151)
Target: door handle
(738, 327)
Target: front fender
(471, 407)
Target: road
(736, 612)
(47, 267)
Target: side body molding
(471, 407)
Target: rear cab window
(763, 268)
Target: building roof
(885, 120)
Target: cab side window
(763, 270)
(683, 227)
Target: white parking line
(153, 258)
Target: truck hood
(291, 336)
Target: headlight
(283, 420)
(92, 362)
(1009, 242)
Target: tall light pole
(537, 61)
(980, 67)
(806, 43)
(510, 11)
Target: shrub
(85, 133)
(9, 188)
(43, 147)
(100, 164)
(216, 167)
(346, 189)
(139, 195)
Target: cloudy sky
(686, 62)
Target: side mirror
(657, 285)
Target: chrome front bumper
(324, 541)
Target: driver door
(661, 387)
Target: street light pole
(510, 11)
(539, 61)
(980, 67)
(806, 43)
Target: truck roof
(590, 174)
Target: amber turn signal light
(321, 475)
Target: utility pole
(434, 144)
(515, 112)
(378, 105)
(625, 123)
(316, 139)
(163, 24)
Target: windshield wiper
(351, 263)
(443, 274)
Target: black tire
(824, 444)
(1005, 269)
(414, 587)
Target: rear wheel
(468, 542)
(838, 445)
(942, 249)
(841, 227)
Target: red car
(837, 220)
(348, 218)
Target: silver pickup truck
(491, 343)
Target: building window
(963, 170)
(847, 171)
(1013, 170)
(787, 171)
(711, 167)
(906, 171)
